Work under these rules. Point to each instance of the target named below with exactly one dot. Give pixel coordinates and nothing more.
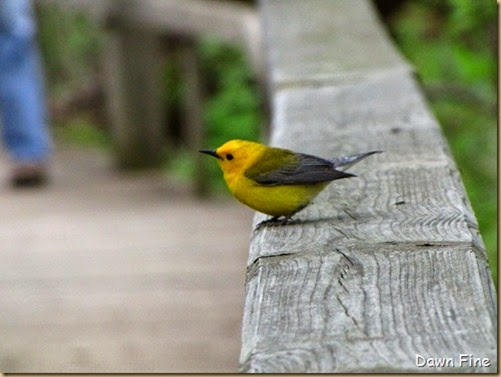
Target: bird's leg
(274, 221)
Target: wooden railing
(386, 270)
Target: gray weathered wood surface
(382, 267)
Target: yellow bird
(276, 181)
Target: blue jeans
(22, 102)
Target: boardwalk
(103, 272)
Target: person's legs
(22, 102)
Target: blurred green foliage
(453, 46)
(82, 132)
(231, 111)
(70, 44)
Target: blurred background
(451, 43)
(164, 261)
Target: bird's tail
(348, 161)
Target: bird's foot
(274, 221)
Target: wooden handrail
(384, 270)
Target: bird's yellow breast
(281, 200)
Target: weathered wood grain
(382, 267)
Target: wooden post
(132, 68)
(385, 269)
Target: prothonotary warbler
(276, 181)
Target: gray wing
(297, 168)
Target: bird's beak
(211, 152)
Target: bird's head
(235, 156)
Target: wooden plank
(143, 348)
(304, 57)
(382, 267)
(111, 272)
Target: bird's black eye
(229, 157)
